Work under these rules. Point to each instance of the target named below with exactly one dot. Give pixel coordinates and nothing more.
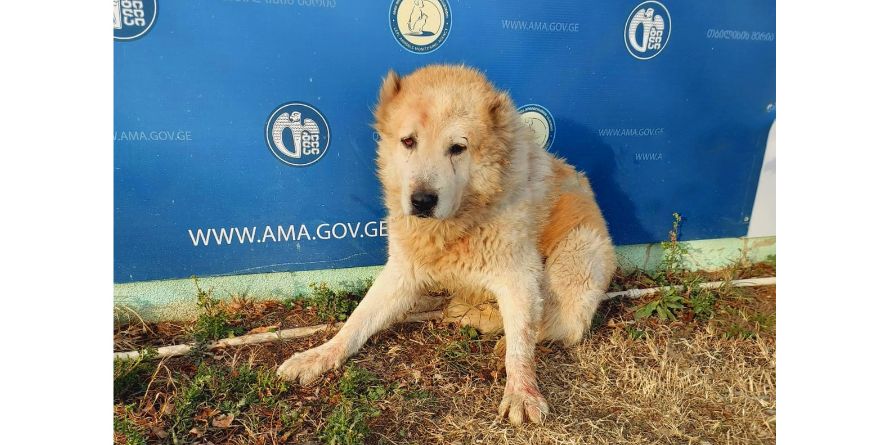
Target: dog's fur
(516, 235)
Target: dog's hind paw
(305, 367)
(525, 404)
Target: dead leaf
(206, 413)
(223, 421)
(159, 432)
(263, 329)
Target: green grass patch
(130, 432)
(335, 304)
(359, 392)
(701, 301)
(131, 376)
(229, 391)
(635, 333)
(458, 351)
(214, 321)
(742, 324)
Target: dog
(477, 207)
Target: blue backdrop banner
(242, 137)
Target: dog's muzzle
(423, 203)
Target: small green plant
(214, 322)
(289, 302)
(668, 301)
(359, 391)
(460, 347)
(673, 261)
(131, 376)
(736, 331)
(356, 380)
(128, 429)
(701, 300)
(635, 334)
(419, 394)
(336, 304)
(347, 424)
(292, 418)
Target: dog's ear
(501, 109)
(390, 86)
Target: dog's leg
(518, 291)
(578, 272)
(392, 294)
(474, 307)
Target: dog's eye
(408, 142)
(457, 149)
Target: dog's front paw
(525, 403)
(307, 366)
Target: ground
(699, 370)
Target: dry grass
(630, 382)
(617, 390)
(679, 384)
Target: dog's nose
(423, 203)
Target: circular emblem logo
(133, 18)
(647, 30)
(297, 134)
(540, 122)
(420, 26)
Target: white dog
(477, 207)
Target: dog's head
(446, 134)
